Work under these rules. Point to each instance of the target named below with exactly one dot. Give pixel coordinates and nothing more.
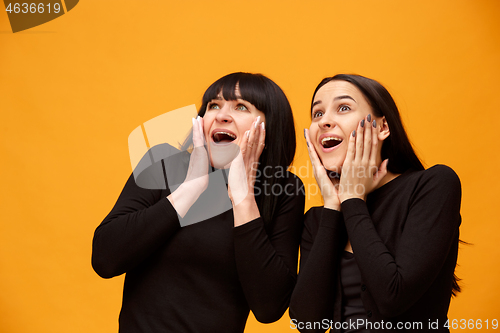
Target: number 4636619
(470, 324)
(33, 8)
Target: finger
(201, 129)
(251, 138)
(382, 171)
(359, 141)
(237, 184)
(262, 140)
(196, 136)
(374, 150)
(244, 143)
(313, 156)
(351, 149)
(367, 144)
(256, 139)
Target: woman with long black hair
(206, 236)
(381, 253)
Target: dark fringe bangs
(250, 87)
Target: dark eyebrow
(336, 99)
(344, 97)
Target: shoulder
(314, 213)
(288, 177)
(159, 163)
(312, 219)
(288, 185)
(436, 186)
(440, 176)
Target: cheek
(243, 125)
(207, 123)
(313, 130)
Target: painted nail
(374, 123)
(369, 118)
(304, 132)
(248, 134)
(257, 121)
(354, 133)
(362, 123)
(263, 126)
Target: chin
(221, 156)
(332, 164)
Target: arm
(397, 280)
(267, 261)
(143, 218)
(322, 243)
(139, 224)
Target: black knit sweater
(204, 277)
(405, 240)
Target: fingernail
(369, 117)
(248, 134)
(304, 132)
(374, 123)
(354, 133)
(192, 120)
(263, 126)
(307, 143)
(257, 121)
(362, 123)
(197, 118)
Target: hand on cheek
(360, 172)
(327, 186)
(242, 174)
(243, 169)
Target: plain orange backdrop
(73, 89)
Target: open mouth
(330, 142)
(223, 136)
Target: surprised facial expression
(338, 107)
(225, 123)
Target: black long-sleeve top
(206, 276)
(405, 240)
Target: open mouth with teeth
(330, 142)
(223, 137)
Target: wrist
(192, 187)
(245, 211)
(351, 196)
(333, 204)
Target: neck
(387, 178)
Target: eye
(344, 108)
(213, 106)
(317, 113)
(241, 107)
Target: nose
(327, 121)
(224, 115)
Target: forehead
(338, 88)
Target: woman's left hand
(360, 172)
(242, 173)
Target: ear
(384, 129)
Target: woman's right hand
(327, 186)
(196, 181)
(197, 174)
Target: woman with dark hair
(206, 236)
(381, 253)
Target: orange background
(73, 89)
